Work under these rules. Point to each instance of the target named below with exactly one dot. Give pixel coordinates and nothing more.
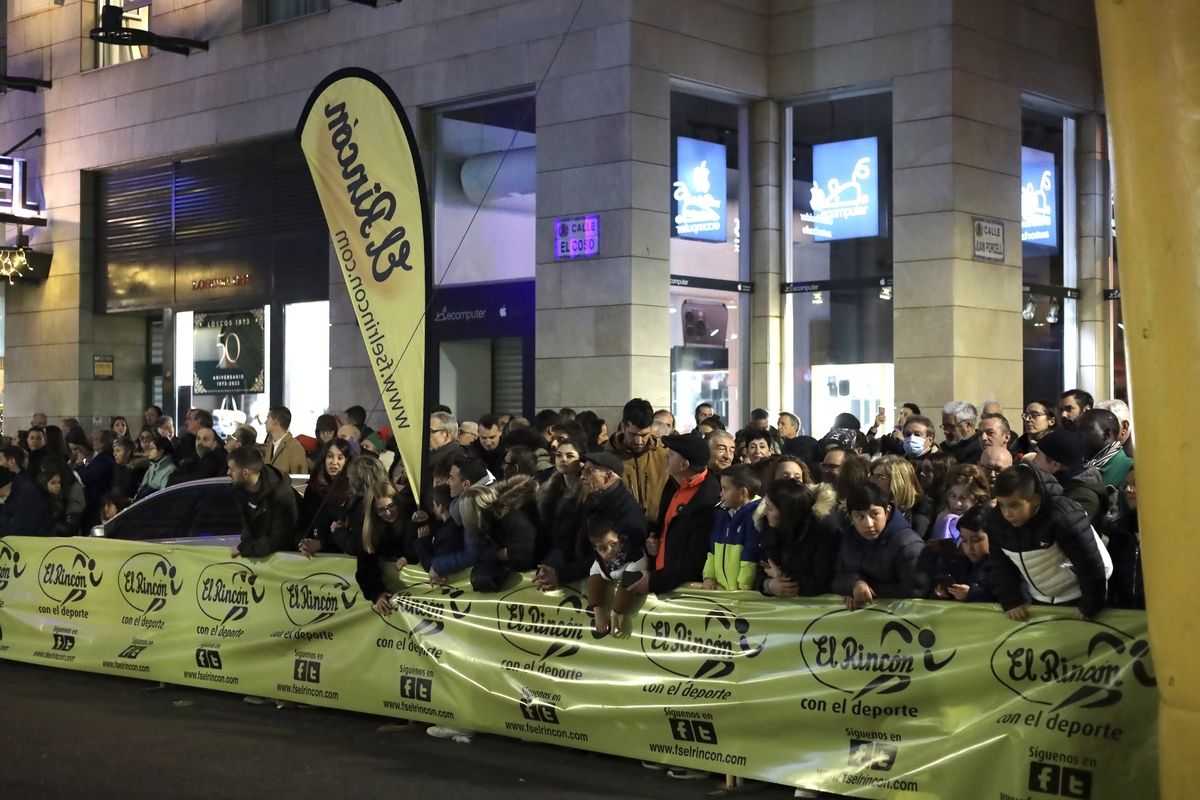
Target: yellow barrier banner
(364, 161)
(908, 699)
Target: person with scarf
(1100, 431)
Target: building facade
(818, 205)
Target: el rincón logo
(869, 650)
(10, 565)
(531, 624)
(66, 574)
(316, 598)
(147, 581)
(1034, 663)
(226, 591)
(429, 607)
(706, 645)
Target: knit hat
(376, 441)
(1063, 446)
(841, 437)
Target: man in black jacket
(208, 460)
(685, 516)
(267, 501)
(22, 510)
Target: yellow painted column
(1151, 61)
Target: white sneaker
(255, 700)
(454, 734)
(684, 774)
(654, 765)
(807, 794)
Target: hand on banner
(309, 546)
(861, 595)
(401, 563)
(1079, 615)
(235, 551)
(435, 579)
(709, 583)
(600, 619)
(771, 568)
(546, 578)
(1018, 614)
(383, 605)
(783, 587)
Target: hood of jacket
(512, 494)
(618, 447)
(824, 505)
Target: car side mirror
(97, 531)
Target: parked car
(187, 511)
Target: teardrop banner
(364, 161)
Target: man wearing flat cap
(605, 497)
(685, 515)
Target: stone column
(603, 147)
(766, 270)
(1095, 251)
(956, 154)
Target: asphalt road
(79, 735)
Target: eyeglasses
(436, 430)
(389, 508)
(1034, 414)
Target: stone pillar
(603, 147)
(766, 270)
(956, 154)
(1095, 251)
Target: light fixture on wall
(1030, 310)
(885, 293)
(20, 261)
(1052, 315)
(112, 30)
(817, 298)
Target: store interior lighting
(817, 298)
(1030, 310)
(1052, 316)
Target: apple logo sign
(503, 311)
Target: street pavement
(79, 735)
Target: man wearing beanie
(22, 511)
(1061, 453)
(685, 515)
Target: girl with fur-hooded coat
(804, 544)
(501, 519)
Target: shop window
(710, 309)
(1048, 309)
(306, 363)
(484, 184)
(838, 310)
(135, 14)
(266, 12)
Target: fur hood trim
(511, 494)
(824, 505)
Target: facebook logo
(1061, 781)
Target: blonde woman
(388, 534)
(895, 475)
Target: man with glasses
(994, 460)
(958, 424)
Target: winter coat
(560, 512)
(394, 541)
(268, 514)
(447, 550)
(687, 540)
(1056, 554)
(126, 480)
(644, 474)
(1087, 488)
(1127, 588)
(890, 564)
(96, 477)
(212, 464)
(24, 513)
(733, 547)
(808, 556)
(322, 505)
(156, 476)
(510, 522)
(1117, 470)
(289, 458)
(966, 451)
